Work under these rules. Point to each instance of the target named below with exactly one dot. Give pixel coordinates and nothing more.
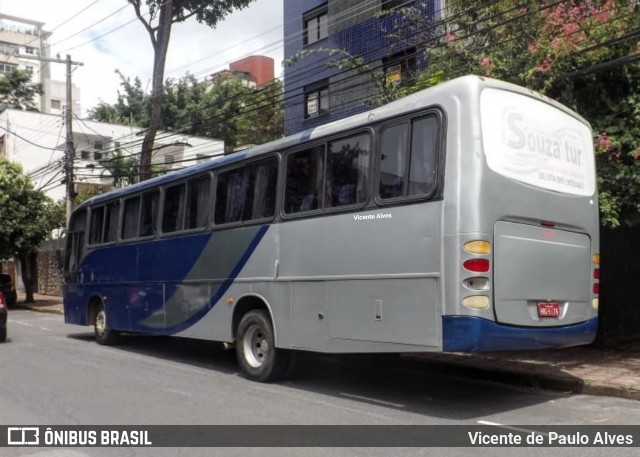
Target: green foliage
(226, 110)
(580, 52)
(131, 108)
(17, 90)
(27, 215)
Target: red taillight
(477, 265)
(596, 273)
(596, 288)
(1, 301)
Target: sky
(105, 36)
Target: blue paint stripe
(222, 289)
(473, 334)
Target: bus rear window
(533, 142)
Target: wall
(49, 268)
(620, 269)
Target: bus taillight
(477, 283)
(596, 284)
(477, 265)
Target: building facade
(23, 43)
(37, 142)
(319, 32)
(260, 69)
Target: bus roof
(467, 84)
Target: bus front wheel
(258, 357)
(104, 335)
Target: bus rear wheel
(257, 355)
(103, 334)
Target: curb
(38, 309)
(520, 377)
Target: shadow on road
(435, 389)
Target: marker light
(596, 259)
(595, 303)
(476, 302)
(478, 247)
(477, 265)
(477, 283)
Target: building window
(400, 69)
(316, 25)
(56, 104)
(8, 48)
(316, 100)
(29, 69)
(97, 156)
(7, 68)
(29, 50)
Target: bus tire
(257, 355)
(104, 335)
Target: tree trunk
(160, 47)
(29, 269)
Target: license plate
(548, 309)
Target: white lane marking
(509, 427)
(26, 324)
(372, 400)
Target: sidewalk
(612, 371)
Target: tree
(583, 53)
(162, 14)
(131, 108)
(28, 217)
(225, 109)
(17, 90)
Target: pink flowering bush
(579, 52)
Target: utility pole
(70, 149)
(68, 117)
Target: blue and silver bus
(460, 218)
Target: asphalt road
(51, 373)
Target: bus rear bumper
(474, 334)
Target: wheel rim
(101, 323)
(255, 346)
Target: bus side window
(424, 156)
(111, 223)
(95, 228)
(263, 180)
(303, 190)
(130, 218)
(75, 241)
(409, 158)
(230, 195)
(393, 161)
(173, 209)
(149, 214)
(198, 202)
(347, 167)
